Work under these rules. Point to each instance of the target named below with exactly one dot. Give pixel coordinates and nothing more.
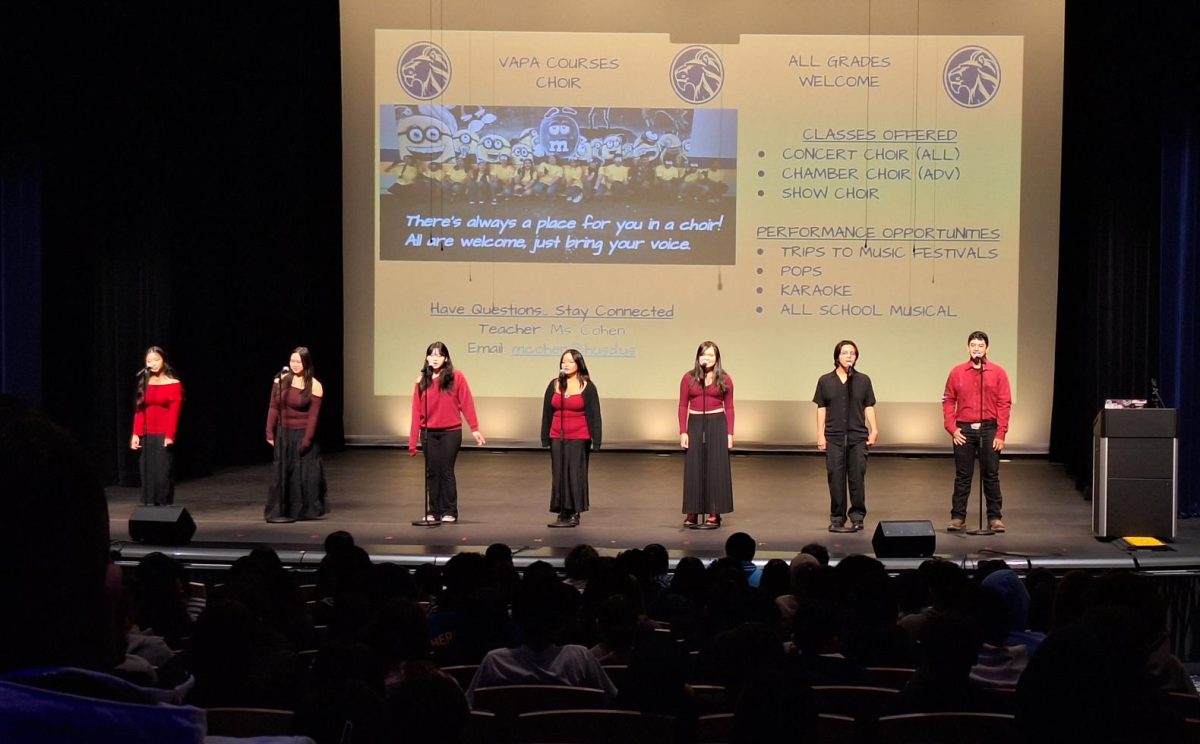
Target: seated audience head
(740, 546)
(337, 541)
(542, 608)
(55, 532)
(818, 551)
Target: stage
(780, 499)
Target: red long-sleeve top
(295, 413)
(710, 398)
(446, 409)
(159, 411)
(960, 401)
(569, 416)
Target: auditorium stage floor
(780, 499)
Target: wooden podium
(1135, 459)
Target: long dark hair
(139, 398)
(718, 371)
(447, 373)
(581, 371)
(285, 380)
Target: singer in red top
(441, 400)
(298, 479)
(706, 432)
(976, 408)
(155, 417)
(571, 429)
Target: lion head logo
(697, 74)
(424, 70)
(972, 76)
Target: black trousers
(979, 444)
(158, 471)
(441, 451)
(846, 465)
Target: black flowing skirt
(707, 481)
(297, 481)
(569, 475)
(158, 471)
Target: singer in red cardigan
(706, 432)
(155, 419)
(571, 429)
(441, 400)
(298, 480)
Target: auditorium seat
(861, 703)
(593, 727)
(462, 673)
(618, 673)
(513, 700)
(714, 729)
(893, 678)
(243, 722)
(945, 728)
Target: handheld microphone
(849, 369)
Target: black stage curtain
(1128, 70)
(192, 200)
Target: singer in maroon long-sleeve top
(706, 433)
(976, 406)
(441, 400)
(156, 409)
(298, 488)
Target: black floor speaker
(904, 539)
(161, 525)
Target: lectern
(1135, 459)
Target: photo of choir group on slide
(976, 406)
(475, 181)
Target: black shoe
(840, 527)
(564, 520)
(858, 526)
(575, 519)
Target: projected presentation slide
(630, 197)
(542, 185)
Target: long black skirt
(297, 481)
(158, 471)
(569, 475)
(707, 481)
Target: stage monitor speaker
(161, 525)
(904, 539)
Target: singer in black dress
(706, 419)
(298, 480)
(846, 430)
(571, 429)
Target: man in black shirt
(846, 428)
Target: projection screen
(630, 179)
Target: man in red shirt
(976, 407)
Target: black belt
(975, 424)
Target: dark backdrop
(1127, 269)
(177, 170)
(190, 195)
